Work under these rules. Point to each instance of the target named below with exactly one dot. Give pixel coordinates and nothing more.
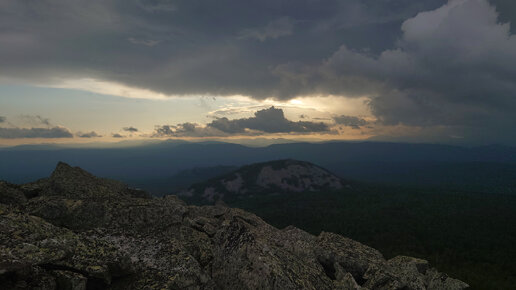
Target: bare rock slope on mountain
(265, 178)
(77, 231)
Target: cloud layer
(266, 121)
(130, 129)
(430, 63)
(91, 134)
(270, 120)
(39, 128)
(454, 66)
(16, 133)
(351, 121)
(180, 47)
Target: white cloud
(108, 88)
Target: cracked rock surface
(76, 231)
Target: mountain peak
(279, 176)
(64, 170)
(74, 182)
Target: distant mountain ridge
(273, 177)
(486, 169)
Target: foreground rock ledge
(76, 231)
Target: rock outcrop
(272, 177)
(76, 231)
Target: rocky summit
(76, 231)
(272, 177)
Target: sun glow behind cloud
(310, 109)
(150, 110)
(117, 89)
(108, 88)
(332, 104)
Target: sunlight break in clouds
(447, 65)
(109, 88)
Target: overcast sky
(397, 70)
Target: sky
(438, 71)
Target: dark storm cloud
(116, 135)
(16, 133)
(189, 47)
(91, 134)
(146, 42)
(157, 6)
(35, 130)
(270, 120)
(130, 129)
(422, 63)
(350, 121)
(275, 29)
(186, 130)
(265, 121)
(454, 66)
